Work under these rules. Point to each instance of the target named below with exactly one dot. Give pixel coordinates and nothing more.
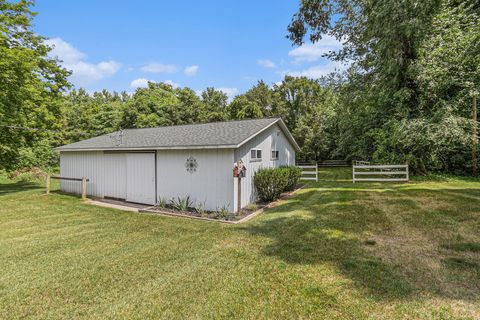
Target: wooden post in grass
(47, 184)
(474, 136)
(84, 188)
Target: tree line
(406, 96)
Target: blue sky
(119, 45)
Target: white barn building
(146, 165)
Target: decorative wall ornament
(191, 164)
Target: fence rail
(377, 173)
(334, 163)
(360, 163)
(309, 171)
(84, 181)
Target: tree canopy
(414, 67)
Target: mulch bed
(211, 215)
(217, 216)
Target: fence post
(316, 172)
(353, 173)
(408, 178)
(47, 184)
(84, 188)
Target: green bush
(293, 176)
(271, 182)
(28, 175)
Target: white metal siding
(271, 139)
(82, 164)
(106, 173)
(211, 184)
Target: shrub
(271, 182)
(293, 176)
(28, 175)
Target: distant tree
(294, 98)
(214, 105)
(244, 108)
(190, 108)
(150, 107)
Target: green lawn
(335, 251)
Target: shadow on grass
(320, 235)
(14, 187)
(329, 224)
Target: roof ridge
(200, 123)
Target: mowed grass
(336, 250)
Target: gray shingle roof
(229, 134)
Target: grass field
(335, 251)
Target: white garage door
(115, 181)
(141, 177)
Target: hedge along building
(147, 165)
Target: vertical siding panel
(106, 173)
(211, 184)
(264, 141)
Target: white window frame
(277, 154)
(255, 158)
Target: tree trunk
(474, 137)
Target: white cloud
(230, 92)
(191, 70)
(317, 71)
(72, 59)
(173, 84)
(140, 83)
(143, 83)
(266, 63)
(313, 52)
(159, 68)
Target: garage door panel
(141, 177)
(115, 175)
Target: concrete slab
(117, 204)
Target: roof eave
(284, 128)
(60, 149)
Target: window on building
(275, 154)
(255, 155)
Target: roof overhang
(282, 126)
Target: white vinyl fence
(309, 171)
(360, 163)
(380, 173)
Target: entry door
(141, 177)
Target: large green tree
(31, 87)
(413, 66)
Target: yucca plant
(223, 213)
(181, 204)
(200, 208)
(162, 203)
